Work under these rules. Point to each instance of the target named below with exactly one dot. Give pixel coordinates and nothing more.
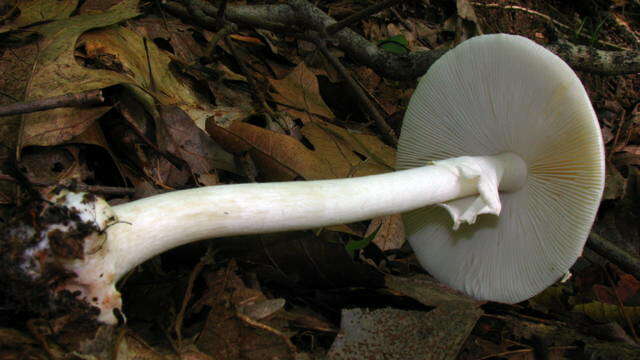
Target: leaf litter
(181, 113)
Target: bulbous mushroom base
(52, 259)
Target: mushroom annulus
(500, 174)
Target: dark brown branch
(298, 14)
(271, 17)
(354, 18)
(92, 97)
(387, 132)
(589, 59)
(608, 250)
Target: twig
(268, 328)
(524, 351)
(627, 31)
(621, 308)
(387, 132)
(302, 14)
(205, 260)
(225, 31)
(163, 15)
(259, 14)
(195, 8)
(586, 58)
(86, 98)
(354, 18)
(547, 18)
(98, 189)
(409, 26)
(220, 14)
(629, 263)
(252, 82)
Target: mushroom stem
(150, 226)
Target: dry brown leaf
(37, 11)
(279, 157)
(56, 72)
(225, 335)
(179, 135)
(127, 55)
(602, 312)
(349, 154)
(467, 24)
(179, 35)
(632, 149)
(96, 6)
(335, 152)
(225, 90)
(391, 234)
(389, 333)
(300, 90)
(615, 183)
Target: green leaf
(395, 44)
(353, 245)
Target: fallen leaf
(56, 72)
(400, 334)
(180, 136)
(300, 90)
(602, 312)
(225, 335)
(391, 234)
(38, 11)
(467, 24)
(331, 151)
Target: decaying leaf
(37, 11)
(602, 312)
(180, 136)
(396, 334)
(225, 334)
(56, 72)
(300, 91)
(436, 334)
(330, 151)
(391, 234)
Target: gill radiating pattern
(474, 101)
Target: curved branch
(301, 14)
(589, 59)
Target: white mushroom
(494, 94)
(498, 125)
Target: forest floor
(195, 102)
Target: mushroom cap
(505, 93)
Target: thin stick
(256, 324)
(354, 18)
(220, 14)
(205, 260)
(222, 33)
(387, 132)
(98, 189)
(250, 79)
(546, 17)
(629, 263)
(86, 98)
(621, 308)
(524, 351)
